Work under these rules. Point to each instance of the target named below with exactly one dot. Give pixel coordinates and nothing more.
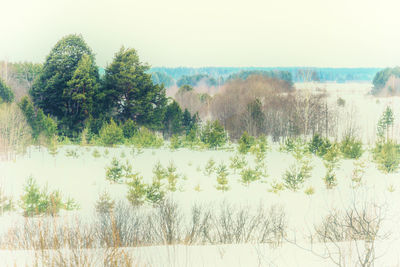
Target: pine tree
(6, 95)
(80, 91)
(130, 92)
(55, 93)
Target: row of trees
(70, 89)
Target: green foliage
(136, 190)
(222, 177)
(172, 176)
(358, 173)
(248, 175)
(71, 153)
(129, 128)
(351, 148)
(111, 134)
(155, 192)
(6, 95)
(6, 202)
(341, 102)
(309, 191)
(41, 125)
(80, 93)
(237, 162)
(175, 142)
(276, 187)
(387, 156)
(245, 143)
(298, 172)
(36, 201)
(116, 172)
(67, 84)
(129, 89)
(96, 153)
(144, 138)
(288, 145)
(331, 161)
(257, 117)
(213, 135)
(173, 119)
(210, 167)
(385, 122)
(105, 204)
(319, 145)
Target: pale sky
(335, 33)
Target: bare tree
(14, 131)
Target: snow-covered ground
(83, 179)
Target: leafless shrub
(358, 227)
(14, 131)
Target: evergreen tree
(130, 92)
(173, 119)
(55, 93)
(6, 95)
(385, 122)
(81, 89)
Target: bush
(129, 128)
(319, 145)
(111, 134)
(341, 102)
(145, 138)
(331, 162)
(210, 167)
(351, 148)
(237, 162)
(105, 204)
(116, 172)
(37, 202)
(249, 175)
(175, 142)
(213, 135)
(387, 156)
(136, 190)
(6, 95)
(222, 177)
(245, 143)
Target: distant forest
(213, 76)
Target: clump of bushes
(245, 143)
(237, 162)
(387, 156)
(145, 138)
(222, 177)
(319, 145)
(36, 201)
(111, 134)
(331, 163)
(116, 172)
(298, 172)
(213, 135)
(249, 175)
(105, 204)
(351, 148)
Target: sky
(171, 33)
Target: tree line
(66, 94)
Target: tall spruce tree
(60, 89)
(130, 93)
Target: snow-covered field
(83, 179)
